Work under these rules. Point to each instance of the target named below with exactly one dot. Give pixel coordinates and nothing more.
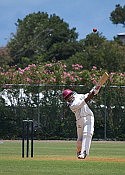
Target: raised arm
(93, 92)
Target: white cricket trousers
(85, 129)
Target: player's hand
(96, 89)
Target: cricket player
(84, 118)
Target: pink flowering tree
(57, 73)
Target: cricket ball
(94, 30)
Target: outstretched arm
(83, 100)
(93, 92)
(89, 97)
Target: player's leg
(79, 125)
(87, 135)
(78, 147)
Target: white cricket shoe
(82, 156)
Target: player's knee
(89, 134)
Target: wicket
(27, 133)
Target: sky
(84, 15)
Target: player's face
(70, 98)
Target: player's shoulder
(79, 97)
(77, 94)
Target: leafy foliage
(41, 37)
(117, 16)
(96, 50)
(5, 58)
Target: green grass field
(59, 158)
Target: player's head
(67, 94)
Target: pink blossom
(112, 73)
(66, 74)
(94, 81)
(53, 79)
(77, 66)
(93, 75)
(122, 74)
(64, 66)
(72, 78)
(48, 65)
(27, 68)
(21, 71)
(94, 68)
(32, 65)
(28, 80)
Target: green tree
(89, 54)
(4, 57)
(99, 52)
(113, 57)
(62, 50)
(117, 16)
(40, 35)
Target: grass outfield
(59, 158)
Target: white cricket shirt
(79, 107)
